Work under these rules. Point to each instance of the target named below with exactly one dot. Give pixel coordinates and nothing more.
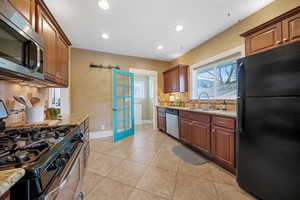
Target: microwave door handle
(38, 58)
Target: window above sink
(216, 76)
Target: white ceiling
(137, 27)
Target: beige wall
(230, 38)
(91, 89)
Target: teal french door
(123, 104)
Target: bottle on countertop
(224, 105)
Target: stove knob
(60, 162)
(65, 155)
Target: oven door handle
(60, 182)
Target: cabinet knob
(285, 39)
(213, 130)
(278, 42)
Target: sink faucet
(208, 99)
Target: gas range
(43, 152)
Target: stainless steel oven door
(66, 185)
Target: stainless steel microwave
(21, 48)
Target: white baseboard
(101, 134)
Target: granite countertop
(10, 177)
(211, 112)
(66, 120)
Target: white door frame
(154, 74)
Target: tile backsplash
(164, 99)
(10, 89)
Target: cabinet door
(291, 28)
(185, 130)
(62, 59)
(265, 39)
(167, 82)
(201, 136)
(26, 8)
(223, 146)
(49, 35)
(162, 123)
(175, 80)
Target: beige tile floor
(143, 167)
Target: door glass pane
(120, 90)
(120, 79)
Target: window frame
(221, 58)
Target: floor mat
(188, 155)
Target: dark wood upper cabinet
(291, 28)
(62, 59)
(265, 39)
(56, 47)
(274, 33)
(201, 136)
(176, 79)
(26, 8)
(48, 32)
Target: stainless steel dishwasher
(172, 122)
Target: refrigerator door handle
(241, 96)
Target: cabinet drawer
(224, 122)
(195, 116)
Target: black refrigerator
(268, 125)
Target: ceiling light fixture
(103, 4)
(179, 28)
(105, 36)
(160, 47)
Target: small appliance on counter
(3, 115)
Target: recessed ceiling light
(179, 28)
(105, 36)
(103, 4)
(160, 47)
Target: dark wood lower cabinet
(200, 133)
(161, 119)
(223, 146)
(185, 130)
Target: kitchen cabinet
(49, 35)
(201, 136)
(161, 119)
(212, 135)
(26, 8)
(56, 48)
(62, 65)
(223, 146)
(291, 28)
(279, 31)
(268, 38)
(176, 79)
(185, 133)
(5, 196)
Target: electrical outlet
(102, 127)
